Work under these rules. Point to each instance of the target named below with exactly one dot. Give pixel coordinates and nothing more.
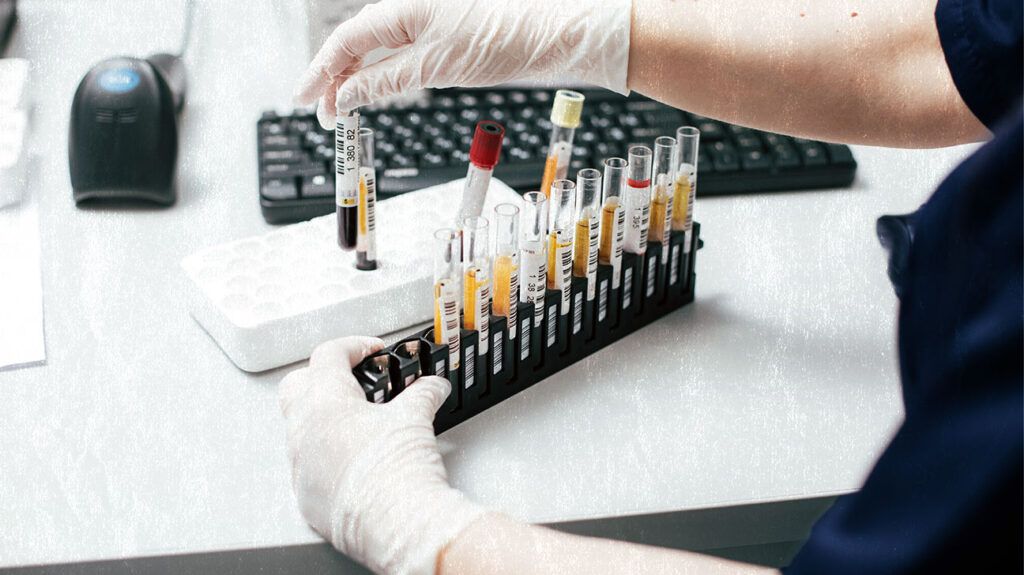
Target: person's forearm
(497, 545)
(868, 72)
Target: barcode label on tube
(450, 324)
(366, 240)
(673, 269)
(524, 344)
(595, 238)
(483, 301)
(577, 313)
(439, 368)
(552, 324)
(651, 273)
(620, 231)
(499, 345)
(346, 161)
(602, 301)
(513, 301)
(470, 370)
(627, 289)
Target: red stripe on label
(639, 183)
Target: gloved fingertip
(426, 394)
(325, 117)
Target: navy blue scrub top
(945, 497)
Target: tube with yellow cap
(565, 117)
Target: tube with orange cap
(565, 117)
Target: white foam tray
(269, 300)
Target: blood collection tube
(688, 141)
(613, 217)
(506, 265)
(447, 259)
(565, 117)
(476, 279)
(366, 238)
(662, 178)
(638, 199)
(484, 154)
(346, 178)
(560, 216)
(533, 240)
(585, 256)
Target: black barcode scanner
(123, 144)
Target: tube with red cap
(483, 156)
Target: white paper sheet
(21, 293)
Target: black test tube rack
(648, 291)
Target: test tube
(476, 279)
(588, 201)
(688, 139)
(613, 217)
(447, 258)
(560, 216)
(484, 153)
(663, 175)
(533, 240)
(506, 265)
(565, 118)
(346, 177)
(366, 238)
(638, 199)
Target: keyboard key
(282, 156)
(467, 100)
(785, 156)
(841, 155)
(403, 161)
(280, 142)
(319, 186)
(540, 97)
(725, 160)
(813, 154)
(517, 98)
(433, 160)
(470, 115)
(749, 142)
(629, 120)
(710, 131)
(279, 189)
(494, 98)
(755, 160)
(643, 134)
(664, 117)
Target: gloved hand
(369, 477)
(469, 43)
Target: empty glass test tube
(613, 217)
(566, 112)
(588, 225)
(476, 279)
(447, 261)
(662, 180)
(366, 238)
(346, 177)
(638, 199)
(506, 265)
(533, 240)
(560, 224)
(688, 142)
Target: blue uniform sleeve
(981, 40)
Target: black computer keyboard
(427, 142)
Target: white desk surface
(138, 437)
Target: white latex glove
(468, 43)
(369, 477)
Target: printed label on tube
(620, 241)
(534, 281)
(636, 228)
(346, 161)
(366, 241)
(560, 259)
